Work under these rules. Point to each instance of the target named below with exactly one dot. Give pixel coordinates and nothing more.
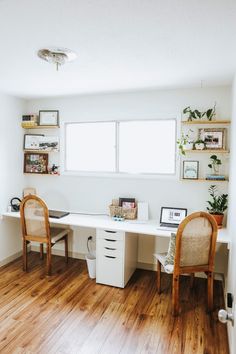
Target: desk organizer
(129, 214)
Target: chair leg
(158, 277)
(41, 250)
(25, 263)
(49, 258)
(210, 280)
(66, 248)
(175, 295)
(191, 280)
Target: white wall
(231, 286)
(93, 193)
(11, 175)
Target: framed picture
(49, 118)
(127, 203)
(190, 169)
(35, 163)
(32, 141)
(49, 143)
(213, 138)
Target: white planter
(199, 146)
(188, 146)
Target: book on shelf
(216, 177)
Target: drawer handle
(109, 248)
(110, 232)
(108, 239)
(110, 257)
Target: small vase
(199, 146)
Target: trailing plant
(184, 139)
(218, 204)
(215, 162)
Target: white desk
(116, 255)
(105, 222)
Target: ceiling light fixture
(57, 56)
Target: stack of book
(215, 177)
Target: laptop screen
(172, 216)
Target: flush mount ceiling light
(57, 56)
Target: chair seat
(161, 257)
(58, 233)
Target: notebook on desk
(57, 214)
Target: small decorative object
(213, 138)
(49, 118)
(217, 205)
(185, 143)
(29, 121)
(49, 143)
(35, 163)
(196, 114)
(54, 170)
(127, 202)
(199, 144)
(32, 141)
(190, 169)
(215, 164)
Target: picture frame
(214, 138)
(127, 202)
(190, 169)
(49, 118)
(35, 163)
(49, 143)
(32, 141)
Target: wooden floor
(70, 313)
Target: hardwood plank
(69, 313)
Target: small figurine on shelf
(54, 170)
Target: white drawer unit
(116, 257)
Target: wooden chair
(35, 227)
(194, 252)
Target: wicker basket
(130, 214)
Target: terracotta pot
(219, 219)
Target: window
(133, 147)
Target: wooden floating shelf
(40, 174)
(204, 180)
(214, 122)
(42, 127)
(208, 151)
(39, 151)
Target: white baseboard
(10, 258)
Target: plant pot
(188, 146)
(219, 219)
(199, 146)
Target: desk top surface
(150, 227)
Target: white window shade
(147, 147)
(90, 147)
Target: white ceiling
(121, 44)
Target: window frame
(116, 173)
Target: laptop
(57, 214)
(172, 217)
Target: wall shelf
(42, 127)
(203, 180)
(40, 151)
(208, 122)
(207, 151)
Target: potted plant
(185, 143)
(215, 164)
(217, 205)
(210, 113)
(196, 114)
(199, 144)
